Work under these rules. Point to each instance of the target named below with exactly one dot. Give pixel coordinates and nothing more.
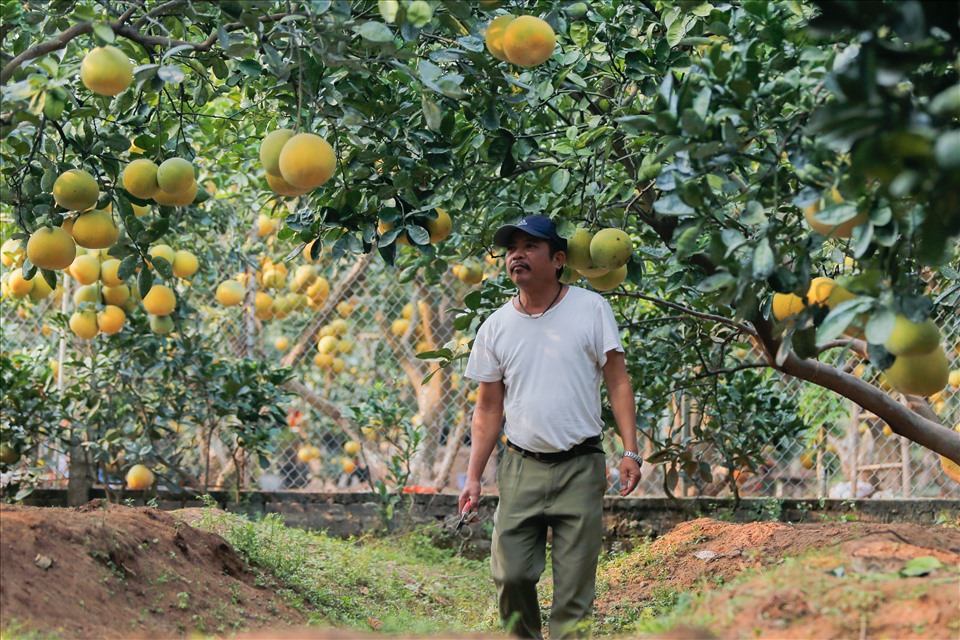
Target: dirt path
(120, 572)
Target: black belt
(590, 445)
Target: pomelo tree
(745, 148)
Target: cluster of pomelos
(525, 41)
(296, 163)
(333, 342)
(921, 366)
(172, 183)
(599, 257)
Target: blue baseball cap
(536, 226)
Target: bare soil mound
(853, 587)
(109, 571)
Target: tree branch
(687, 311)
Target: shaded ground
(120, 572)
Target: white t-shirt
(550, 367)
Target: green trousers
(566, 497)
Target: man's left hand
(629, 475)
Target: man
(539, 360)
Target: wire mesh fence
(365, 412)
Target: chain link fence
(365, 411)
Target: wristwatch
(633, 456)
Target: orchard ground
(110, 571)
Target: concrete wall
(354, 514)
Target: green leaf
(840, 318)
(763, 261)
(716, 282)
(374, 31)
(104, 33)
(432, 114)
(920, 566)
(559, 180)
(880, 325)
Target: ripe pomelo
(51, 248)
(230, 293)
(116, 295)
(786, 305)
(610, 249)
(283, 188)
(185, 264)
(440, 227)
(139, 477)
(108, 272)
(528, 41)
(85, 269)
(160, 300)
(820, 290)
(83, 323)
(578, 249)
(95, 229)
(270, 148)
(19, 286)
(912, 338)
(307, 161)
(175, 176)
(106, 71)
(610, 280)
(140, 178)
(922, 375)
(40, 288)
(183, 199)
(494, 37)
(111, 319)
(11, 253)
(76, 190)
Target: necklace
(537, 316)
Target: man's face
(529, 261)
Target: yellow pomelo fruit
(160, 325)
(95, 230)
(820, 290)
(494, 37)
(842, 230)
(273, 278)
(106, 71)
(85, 269)
(175, 176)
(160, 300)
(307, 161)
(19, 286)
(399, 326)
(327, 344)
(319, 290)
(111, 319)
(281, 344)
(441, 227)
(116, 295)
(569, 276)
(951, 468)
(139, 477)
(84, 324)
(593, 272)
(578, 249)
(270, 149)
(470, 272)
(183, 199)
(164, 251)
(87, 293)
(528, 41)
(610, 249)
(912, 338)
(839, 295)
(40, 288)
(140, 178)
(954, 378)
(11, 253)
(76, 190)
(351, 448)
(786, 305)
(609, 280)
(339, 327)
(263, 306)
(922, 375)
(303, 276)
(108, 272)
(51, 248)
(185, 264)
(283, 188)
(230, 293)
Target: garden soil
(123, 572)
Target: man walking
(539, 360)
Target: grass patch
(401, 583)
